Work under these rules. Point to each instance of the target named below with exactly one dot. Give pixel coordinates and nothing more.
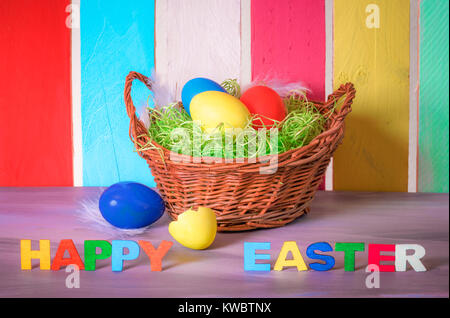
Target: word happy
(115, 250)
(375, 256)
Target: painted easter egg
(213, 108)
(264, 101)
(131, 205)
(196, 86)
(195, 229)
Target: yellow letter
(297, 260)
(43, 254)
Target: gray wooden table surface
(388, 218)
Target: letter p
(118, 256)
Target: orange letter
(155, 255)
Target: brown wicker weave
(243, 198)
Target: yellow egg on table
(212, 108)
(195, 229)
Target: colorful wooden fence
(63, 119)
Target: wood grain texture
(382, 218)
(246, 43)
(329, 42)
(374, 154)
(288, 42)
(433, 168)
(35, 112)
(199, 38)
(413, 94)
(77, 135)
(116, 37)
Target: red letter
(59, 260)
(376, 258)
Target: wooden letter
(43, 254)
(297, 260)
(349, 250)
(118, 256)
(414, 260)
(155, 255)
(323, 247)
(90, 256)
(250, 256)
(59, 260)
(376, 258)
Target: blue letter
(117, 253)
(323, 247)
(250, 256)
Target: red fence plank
(288, 43)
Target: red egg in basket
(266, 102)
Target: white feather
(283, 88)
(161, 98)
(144, 116)
(161, 93)
(89, 214)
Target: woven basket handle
(131, 110)
(347, 90)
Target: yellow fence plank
(371, 49)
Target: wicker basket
(243, 198)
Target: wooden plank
(76, 95)
(116, 37)
(197, 38)
(35, 110)
(374, 154)
(246, 42)
(329, 23)
(413, 94)
(433, 168)
(288, 42)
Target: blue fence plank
(116, 38)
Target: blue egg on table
(131, 205)
(196, 86)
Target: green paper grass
(232, 87)
(173, 128)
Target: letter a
(373, 280)
(373, 19)
(296, 261)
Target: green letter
(90, 256)
(349, 250)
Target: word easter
(400, 258)
(115, 250)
